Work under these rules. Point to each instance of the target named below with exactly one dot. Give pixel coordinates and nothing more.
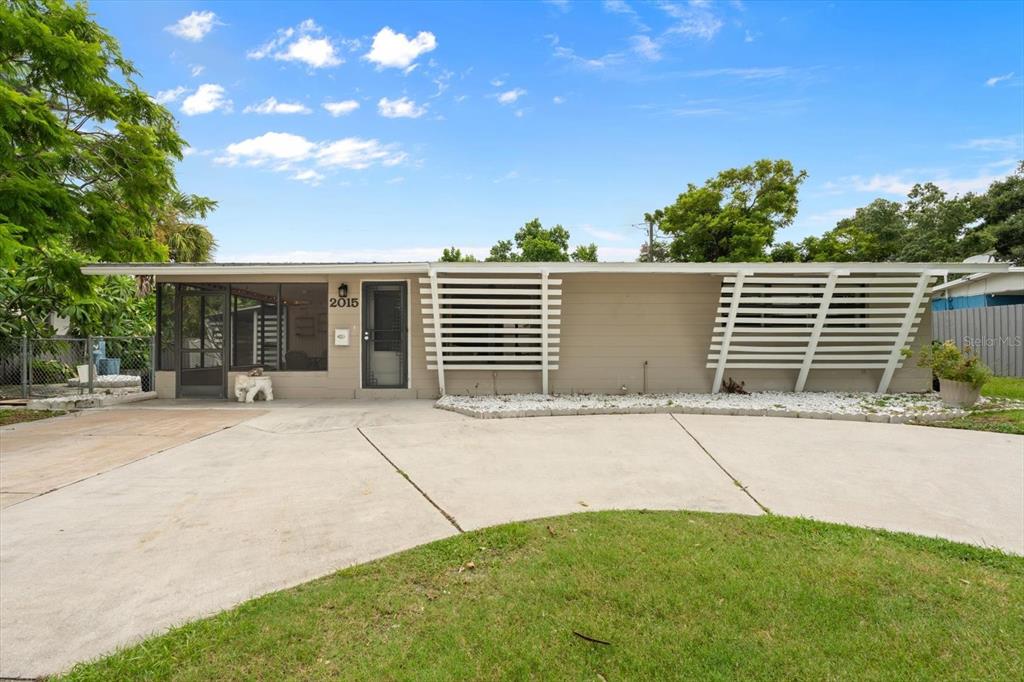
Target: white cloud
(278, 148)
(197, 69)
(309, 176)
(695, 20)
(395, 181)
(396, 50)
(996, 80)
(195, 26)
(900, 184)
(299, 45)
(316, 52)
(624, 9)
(442, 82)
(400, 108)
(698, 111)
(511, 175)
(341, 108)
(561, 5)
(606, 235)
(271, 106)
(618, 7)
(497, 82)
(568, 54)
(356, 154)
(994, 144)
(207, 98)
(646, 48)
(172, 95)
(754, 73)
(510, 96)
(558, 99)
(282, 152)
(827, 218)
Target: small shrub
(51, 370)
(948, 361)
(730, 386)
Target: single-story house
(981, 290)
(353, 330)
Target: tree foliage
(929, 227)
(178, 229)
(534, 243)
(1001, 210)
(454, 255)
(735, 215)
(86, 167)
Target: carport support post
(544, 331)
(901, 338)
(435, 308)
(819, 323)
(723, 352)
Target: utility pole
(653, 220)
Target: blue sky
(386, 131)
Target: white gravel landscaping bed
(893, 407)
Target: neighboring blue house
(980, 290)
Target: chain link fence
(61, 365)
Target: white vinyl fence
(996, 333)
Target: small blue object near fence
(60, 365)
(104, 366)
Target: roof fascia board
(171, 269)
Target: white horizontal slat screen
(803, 323)
(491, 323)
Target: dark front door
(385, 335)
(201, 334)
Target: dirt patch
(39, 457)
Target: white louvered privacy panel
(827, 321)
(491, 323)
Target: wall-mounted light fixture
(343, 290)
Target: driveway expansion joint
(448, 517)
(735, 480)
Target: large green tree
(86, 166)
(930, 226)
(875, 233)
(735, 215)
(1001, 210)
(534, 243)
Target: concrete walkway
(134, 540)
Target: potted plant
(961, 372)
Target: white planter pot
(958, 393)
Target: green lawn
(677, 595)
(1004, 387)
(9, 416)
(1000, 421)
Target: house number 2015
(344, 302)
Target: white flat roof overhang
(192, 269)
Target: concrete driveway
(130, 539)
